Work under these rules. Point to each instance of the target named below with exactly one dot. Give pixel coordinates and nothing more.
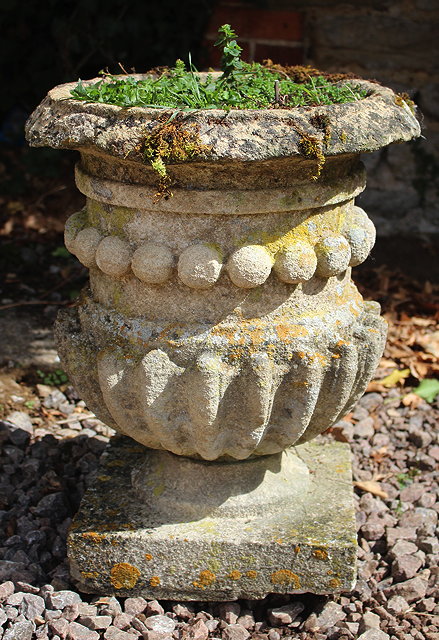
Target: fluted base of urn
(197, 530)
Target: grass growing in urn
(241, 85)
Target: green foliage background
(46, 42)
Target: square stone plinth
(116, 546)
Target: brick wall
(393, 41)
(263, 33)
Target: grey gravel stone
(122, 620)
(235, 632)
(109, 605)
(246, 620)
(229, 611)
(20, 631)
(374, 634)
(369, 621)
(153, 607)
(429, 545)
(20, 427)
(135, 605)
(286, 614)
(372, 530)
(54, 399)
(113, 633)
(181, 611)
(402, 547)
(197, 631)
(15, 571)
(161, 624)
(6, 589)
(397, 605)
(32, 606)
(79, 632)
(327, 618)
(3, 618)
(61, 599)
(60, 627)
(95, 622)
(405, 567)
(411, 590)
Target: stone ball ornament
(249, 266)
(220, 335)
(152, 263)
(296, 263)
(199, 266)
(113, 256)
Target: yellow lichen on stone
(154, 581)
(124, 575)
(92, 536)
(334, 583)
(205, 579)
(235, 575)
(148, 556)
(285, 577)
(320, 554)
(89, 575)
(252, 574)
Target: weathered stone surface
(220, 324)
(238, 134)
(117, 545)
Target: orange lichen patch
(89, 574)
(114, 542)
(252, 574)
(148, 556)
(334, 583)
(235, 575)
(321, 554)
(287, 332)
(296, 549)
(92, 536)
(336, 355)
(205, 579)
(112, 526)
(279, 540)
(340, 468)
(329, 572)
(124, 575)
(154, 581)
(285, 577)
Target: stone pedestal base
(134, 536)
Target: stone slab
(118, 546)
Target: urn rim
(239, 134)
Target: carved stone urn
(220, 333)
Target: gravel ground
(50, 446)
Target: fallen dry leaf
(371, 487)
(411, 400)
(430, 342)
(396, 377)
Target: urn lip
(361, 126)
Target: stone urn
(220, 334)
